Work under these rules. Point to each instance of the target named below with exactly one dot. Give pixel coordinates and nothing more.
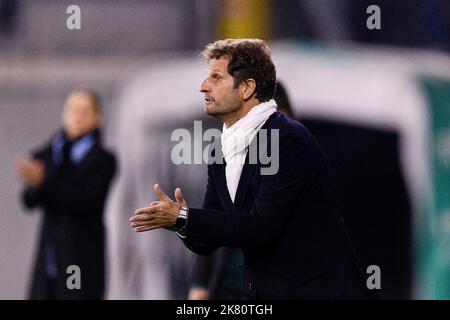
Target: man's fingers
(157, 215)
(154, 222)
(161, 195)
(154, 203)
(22, 164)
(140, 217)
(155, 206)
(149, 220)
(140, 223)
(148, 213)
(23, 161)
(146, 210)
(142, 220)
(142, 229)
(179, 197)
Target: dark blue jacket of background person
(76, 183)
(289, 226)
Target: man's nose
(203, 87)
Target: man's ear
(248, 88)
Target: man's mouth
(208, 100)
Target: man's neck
(240, 113)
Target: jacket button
(251, 286)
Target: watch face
(180, 222)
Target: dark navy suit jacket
(73, 201)
(288, 224)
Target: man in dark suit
(216, 276)
(286, 220)
(69, 178)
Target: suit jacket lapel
(222, 188)
(88, 157)
(247, 173)
(250, 169)
(219, 174)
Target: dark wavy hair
(247, 59)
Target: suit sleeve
(300, 163)
(211, 202)
(32, 196)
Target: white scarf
(237, 138)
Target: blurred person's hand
(198, 294)
(30, 171)
(160, 214)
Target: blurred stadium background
(378, 101)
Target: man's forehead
(77, 98)
(220, 64)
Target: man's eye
(217, 77)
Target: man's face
(80, 115)
(221, 98)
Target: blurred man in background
(69, 179)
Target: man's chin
(210, 111)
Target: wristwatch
(180, 223)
